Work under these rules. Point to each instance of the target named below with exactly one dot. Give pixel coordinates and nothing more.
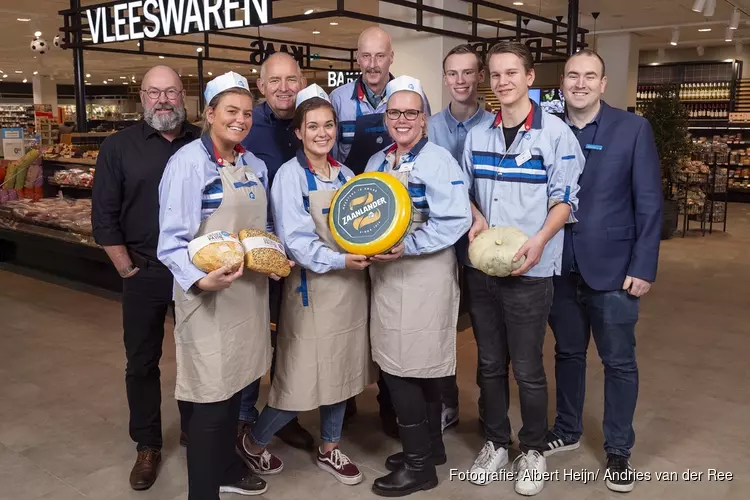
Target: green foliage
(669, 119)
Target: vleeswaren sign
(138, 19)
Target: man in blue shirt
(463, 71)
(609, 261)
(272, 139)
(523, 171)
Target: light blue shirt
(518, 185)
(294, 224)
(437, 189)
(444, 130)
(189, 192)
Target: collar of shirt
(452, 123)
(213, 153)
(390, 153)
(597, 119)
(302, 159)
(361, 90)
(186, 129)
(271, 117)
(533, 119)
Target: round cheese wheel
(370, 214)
(492, 251)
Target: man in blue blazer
(609, 261)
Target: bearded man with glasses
(125, 219)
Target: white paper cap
(311, 91)
(225, 82)
(404, 83)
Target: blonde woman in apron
(222, 332)
(323, 343)
(415, 293)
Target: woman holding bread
(323, 349)
(211, 190)
(415, 293)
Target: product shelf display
(17, 116)
(732, 151)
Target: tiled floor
(63, 412)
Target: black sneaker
(248, 485)
(619, 476)
(556, 444)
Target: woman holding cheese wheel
(222, 325)
(415, 292)
(323, 346)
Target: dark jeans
(145, 299)
(578, 311)
(211, 458)
(410, 397)
(509, 317)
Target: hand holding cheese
(394, 254)
(494, 251)
(356, 262)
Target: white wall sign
(139, 19)
(13, 146)
(338, 78)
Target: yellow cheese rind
(390, 236)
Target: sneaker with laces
(487, 464)
(529, 470)
(619, 475)
(248, 486)
(556, 444)
(264, 464)
(449, 417)
(338, 464)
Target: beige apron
(415, 310)
(223, 338)
(323, 344)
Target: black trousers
(410, 397)
(211, 458)
(146, 298)
(509, 317)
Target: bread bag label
(201, 242)
(257, 242)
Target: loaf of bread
(264, 253)
(215, 250)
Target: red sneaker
(338, 464)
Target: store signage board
(739, 117)
(260, 51)
(13, 146)
(138, 19)
(338, 78)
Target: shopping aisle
(63, 412)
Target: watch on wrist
(127, 270)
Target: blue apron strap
(383, 166)
(302, 288)
(342, 179)
(311, 186)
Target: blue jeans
(271, 420)
(248, 412)
(577, 311)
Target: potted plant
(669, 120)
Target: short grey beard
(165, 123)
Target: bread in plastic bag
(264, 253)
(215, 250)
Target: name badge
(596, 147)
(406, 167)
(250, 176)
(523, 158)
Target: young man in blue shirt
(523, 171)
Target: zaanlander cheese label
(256, 242)
(370, 214)
(203, 241)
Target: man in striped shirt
(523, 172)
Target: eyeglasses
(410, 114)
(154, 93)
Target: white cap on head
(311, 91)
(404, 82)
(225, 82)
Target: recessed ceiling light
(309, 11)
(23, 19)
(5, 76)
(199, 49)
(87, 83)
(36, 72)
(37, 33)
(673, 43)
(728, 60)
(124, 83)
(255, 70)
(86, 39)
(316, 32)
(123, 78)
(517, 3)
(334, 23)
(190, 75)
(88, 75)
(704, 29)
(110, 80)
(161, 57)
(24, 80)
(105, 82)
(210, 74)
(19, 72)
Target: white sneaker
(488, 463)
(529, 470)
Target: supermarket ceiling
(652, 21)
